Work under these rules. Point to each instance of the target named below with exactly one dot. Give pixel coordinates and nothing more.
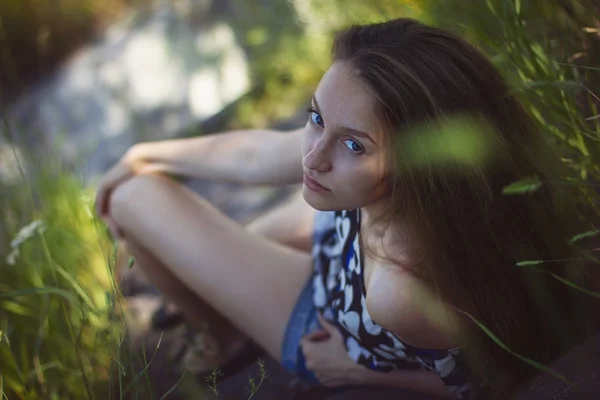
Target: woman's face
(343, 153)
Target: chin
(316, 200)
(323, 202)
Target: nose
(318, 158)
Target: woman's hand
(128, 166)
(326, 356)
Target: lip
(314, 185)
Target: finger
(307, 358)
(100, 200)
(113, 177)
(317, 336)
(328, 326)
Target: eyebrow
(346, 129)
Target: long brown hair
(471, 235)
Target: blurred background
(83, 80)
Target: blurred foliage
(289, 43)
(465, 143)
(61, 330)
(333, 15)
(36, 35)
(286, 61)
(549, 52)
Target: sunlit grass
(63, 335)
(63, 331)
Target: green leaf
(16, 308)
(565, 85)
(131, 262)
(144, 371)
(74, 284)
(574, 286)
(47, 366)
(577, 66)
(584, 235)
(164, 396)
(529, 263)
(524, 186)
(37, 291)
(467, 142)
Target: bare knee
(129, 200)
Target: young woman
(376, 274)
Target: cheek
(362, 183)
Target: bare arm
(420, 381)
(259, 157)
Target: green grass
(62, 331)
(58, 316)
(551, 63)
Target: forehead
(344, 101)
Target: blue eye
(315, 118)
(353, 146)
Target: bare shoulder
(401, 304)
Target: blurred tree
(36, 35)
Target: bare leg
(223, 338)
(252, 282)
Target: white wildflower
(26, 233)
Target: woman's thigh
(250, 279)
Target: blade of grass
(577, 66)
(573, 285)
(532, 263)
(74, 285)
(76, 339)
(146, 362)
(523, 186)
(164, 396)
(144, 370)
(37, 291)
(47, 366)
(584, 235)
(40, 336)
(529, 263)
(529, 361)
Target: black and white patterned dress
(339, 293)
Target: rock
(141, 81)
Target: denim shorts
(303, 320)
